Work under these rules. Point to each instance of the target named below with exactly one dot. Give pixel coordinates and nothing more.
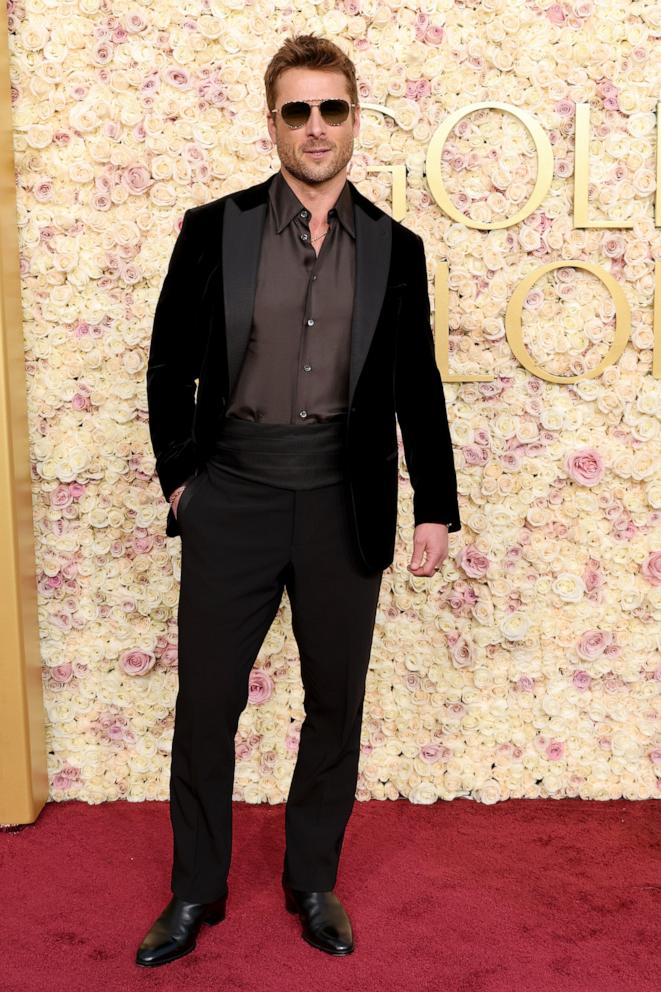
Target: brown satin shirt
(296, 366)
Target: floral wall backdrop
(529, 666)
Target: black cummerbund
(282, 455)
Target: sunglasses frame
(315, 103)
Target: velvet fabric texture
(200, 332)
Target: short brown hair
(310, 52)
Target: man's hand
(432, 539)
(175, 497)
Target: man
(302, 310)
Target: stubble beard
(322, 172)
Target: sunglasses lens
(334, 111)
(296, 113)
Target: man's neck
(319, 197)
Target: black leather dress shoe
(325, 922)
(175, 931)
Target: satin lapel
(373, 247)
(241, 244)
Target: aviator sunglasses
(296, 112)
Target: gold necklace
(319, 236)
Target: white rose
(515, 627)
(423, 793)
(568, 587)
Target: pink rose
(43, 191)
(565, 108)
(137, 662)
(460, 653)
(474, 563)
(555, 14)
(511, 459)
(585, 466)
(555, 750)
(581, 680)
(470, 597)
(293, 737)
(475, 454)
(178, 77)
(593, 643)
(431, 753)
(115, 731)
(434, 34)
(66, 777)
(260, 687)
(135, 22)
(624, 529)
(136, 179)
(61, 496)
(612, 683)
(169, 656)
(592, 577)
(62, 673)
(80, 402)
(455, 600)
(651, 568)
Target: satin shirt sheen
(296, 366)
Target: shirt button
(313, 278)
(304, 214)
(303, 413)
(307, 368)
(304, 237)
(310, 322)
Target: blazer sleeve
(420, 405)
(172, 366)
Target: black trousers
(243, 542)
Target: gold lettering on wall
(398, 173)
(657, 212)
(398, 208)
(581, 173)
(656, 324)
(544, 165)
(442, 330)
(514, 331)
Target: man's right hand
(175, 502)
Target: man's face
(333, 144)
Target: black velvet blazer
(200, 332)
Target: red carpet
(522, 896)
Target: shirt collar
(286, 205)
